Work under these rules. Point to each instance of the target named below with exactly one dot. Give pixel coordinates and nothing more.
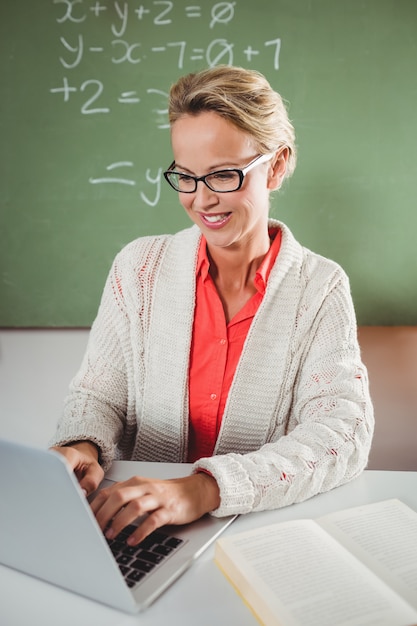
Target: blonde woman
(227, 344)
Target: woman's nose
(204, 197)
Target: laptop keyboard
(135, 562)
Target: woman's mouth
(215, 220)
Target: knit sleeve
(324, 438)
(95, 408)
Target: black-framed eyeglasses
(221, 181)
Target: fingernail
(110, 533)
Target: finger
(92, 478)
(69, 454)
(152, 522)
(134, 510)
(109, 502)
(99, 499)
(119, 487)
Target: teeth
(215, 218)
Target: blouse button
(213, 396)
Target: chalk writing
(217, 51)
(68, 13)
(114, 179)
(110, 40)
(222, 13)
(161, 12)
(121, 180)
(95, 88)
(78, 52)
(123, 15)
(128, 52)
(155, 181)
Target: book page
(384, 536)
(294, 574)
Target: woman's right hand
(82, 456)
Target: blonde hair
(243, 97)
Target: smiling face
(207, 142)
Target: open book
(355, 567)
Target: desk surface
(202, 595)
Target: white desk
(202, 596)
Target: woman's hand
(175, 501)
(83, 458)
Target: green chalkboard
(84, 138)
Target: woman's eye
(184, 178)
(224, 175)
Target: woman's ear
(277, 169)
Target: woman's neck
(233, 271)
(236, 266)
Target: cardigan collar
(261, 366)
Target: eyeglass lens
(223, 180)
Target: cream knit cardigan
(298, 420)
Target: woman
(228, 344)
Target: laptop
(49, 531)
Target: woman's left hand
(174, 501)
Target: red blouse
(216, 348)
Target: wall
(85, 138)
(36, 367)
